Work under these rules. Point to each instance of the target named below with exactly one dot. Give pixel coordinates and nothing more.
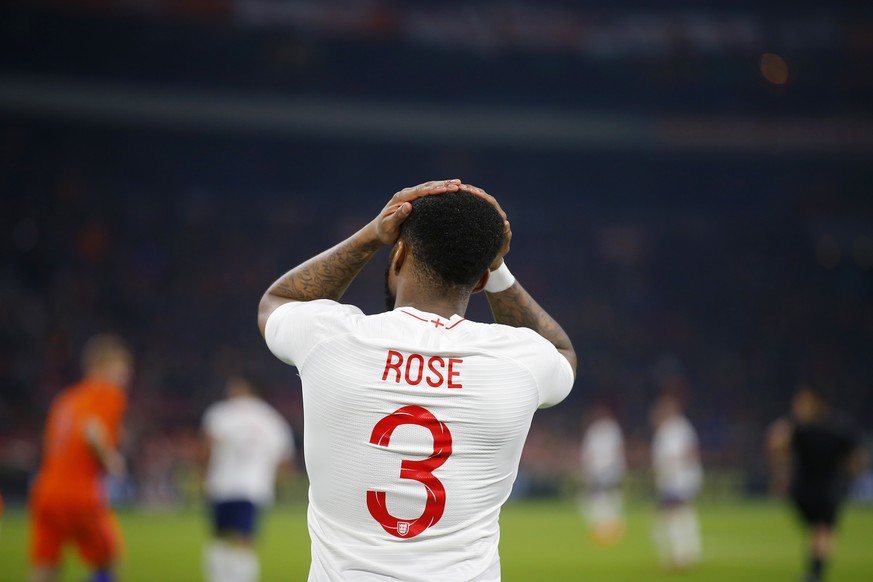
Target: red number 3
(421, 471)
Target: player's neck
(440, 304)
(103, 377)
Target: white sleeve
(288, 446)
(551, 370)
(691, 437)
(209, 421)
(294, 328)
(559, 382)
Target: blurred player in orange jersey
(67, 503)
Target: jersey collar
(432, 319)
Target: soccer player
(678, 477)
(247, 441)
(67, 502)
(813, 453)
(415, 419)
(603, 466)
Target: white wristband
(499, 279)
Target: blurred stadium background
(689, 186)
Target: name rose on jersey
(436, 371)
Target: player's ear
(480, 285)
(398, 257)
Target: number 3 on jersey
(421, 471)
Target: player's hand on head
(507, 228)
(387, 224)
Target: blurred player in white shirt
(603, 466)
(678, 477)
(415, 419)
(247, 442)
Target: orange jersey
(70, 470)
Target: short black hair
(454, 237)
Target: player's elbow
(570, 354)
(266, 306)
(778, 438)
(857, 463)
(262, 315)
(95, 434)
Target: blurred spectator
(812, 454)
(678, 477)
(748, 260)
(67, 503)
(603, 467)
(246, 443)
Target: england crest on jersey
(402, 528)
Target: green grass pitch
(541, 541)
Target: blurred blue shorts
(236, 516)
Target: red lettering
(409, 361)
(453, 373)
(389, 365)
(439, 376)
(436, 373)
(418, 470)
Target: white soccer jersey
(249, 439)
(678, 472)
(414, 425)
(603, 453)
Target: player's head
(808, 404)
(107, 357)
(664, 408)
(601, 411)
(452, 239)
(237, 386)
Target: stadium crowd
(725, 278)
(728, 311)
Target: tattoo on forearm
(325, 276)
(517, 308)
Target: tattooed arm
(329, 274)
(515, 306)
